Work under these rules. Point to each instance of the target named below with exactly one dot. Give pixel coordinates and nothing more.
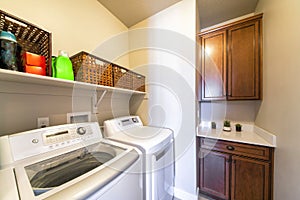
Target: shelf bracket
(96, 101)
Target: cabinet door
(249, 179)
(213, 66)
(244, 42)
(214, 173)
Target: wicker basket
(29, 37)
(138, 82)
(91, 69)
(123, 78)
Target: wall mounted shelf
(37, 80)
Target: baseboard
(183, 195)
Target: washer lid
(149, 139)
(91, 172)
(55, 171)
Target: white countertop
(250, 134)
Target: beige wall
(242, 111)
(75, 25)
(280, 109)
(163, 47)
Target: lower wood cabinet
(250, 179)
(235, 171)
(214, 173)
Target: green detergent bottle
(53, 66)
(62, 66)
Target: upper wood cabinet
(231, 61)
(244, 60)
(214, 65)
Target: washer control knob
(35, 141)
(81, 130)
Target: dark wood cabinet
(214, 173)
(235, 171)
(231, 61)
(244, 60)
(250, 179)
(213, 64)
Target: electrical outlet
(42, 122)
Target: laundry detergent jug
(62, 66)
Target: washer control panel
(81, 132)
(43, 140)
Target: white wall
(75, 25)
(280, 109)
(163, 48)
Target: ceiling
(130, 12)
(216, 11)
(211, 12)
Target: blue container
(8, 51)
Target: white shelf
(25, 78)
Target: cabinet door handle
(230, 148)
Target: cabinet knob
(230, 148)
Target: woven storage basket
(123, 78)
(91, 69)
(138, 82)
(29, 37)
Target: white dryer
(157, 146)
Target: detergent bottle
(62, 66)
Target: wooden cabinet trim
(247, 150)
(198, 84)
(213, 29)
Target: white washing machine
(68, 162)
(158, 153)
